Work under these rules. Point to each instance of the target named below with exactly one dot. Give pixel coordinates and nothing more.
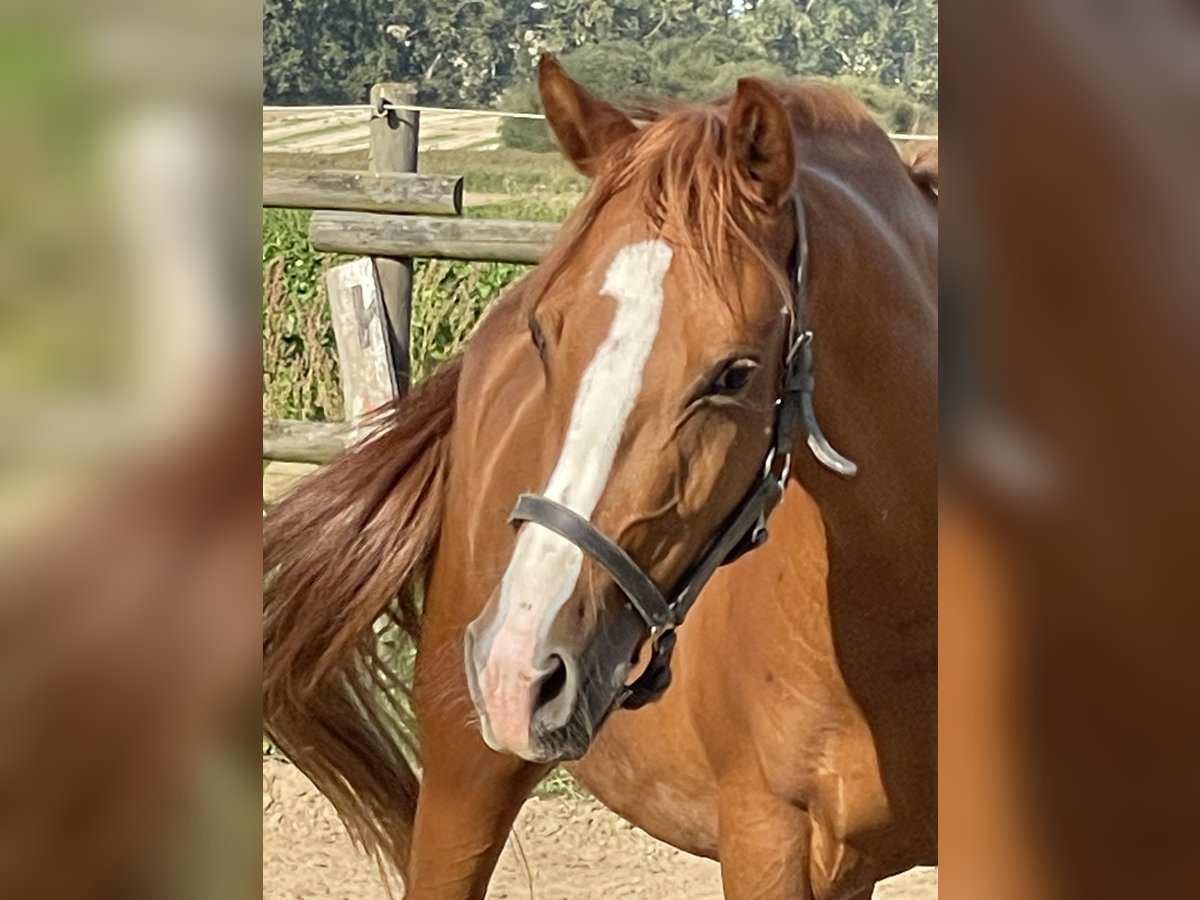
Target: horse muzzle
(543, 711)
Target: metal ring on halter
(804, 337)
(781, 476)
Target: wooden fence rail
(374, 234)
(306, 442)
(387, 216)
(346, 190)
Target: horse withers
(619, 433)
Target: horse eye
(733, 377)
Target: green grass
(530, 208)
(561, 783)
(306, 159)
(505, 170)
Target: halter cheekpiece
(744, 530)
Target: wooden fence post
(394, 134)
(361, 331)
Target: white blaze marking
(545, 567)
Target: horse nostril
(555, 700)
(553, 683)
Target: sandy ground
(561, 849)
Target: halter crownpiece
(744, 530)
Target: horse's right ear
(585, 126)
(760, 143)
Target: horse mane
(923, 166)
(344, 549)
(676, 168)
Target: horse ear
(760, 143)
(585, 126)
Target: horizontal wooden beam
(373, 234)
(433, 195)
(310, 442)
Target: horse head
(632, 380)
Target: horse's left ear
(760, 143)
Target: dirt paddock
(562, 849)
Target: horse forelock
(675, 172)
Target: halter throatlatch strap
(744, 530)
(799, 377)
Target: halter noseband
(744, 530)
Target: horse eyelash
(703, 390)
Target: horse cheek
(705, 468)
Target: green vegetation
(690, 70)
(481, 53)
(448, 299)
(561, 783)
(300, 370)
(506, 171)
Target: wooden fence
(387, 215)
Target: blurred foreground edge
(130, 562)
(1070, 590)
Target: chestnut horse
(639, 394)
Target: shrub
(524, 134)
(895, 109)
(300, 369)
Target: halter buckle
(759, 534)
(804, 337)
(785, 470)
(656, 677)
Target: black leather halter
(744, 530)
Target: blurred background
(129, 525)
(1068, 579)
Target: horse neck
(873, 311)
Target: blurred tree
(469, 53)
(616, 70)
(705, 67)
(524, 134)
(575, 23)
(324, 51)
(331, 51)
(892, 43)
(464, 53)
(697, 68)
